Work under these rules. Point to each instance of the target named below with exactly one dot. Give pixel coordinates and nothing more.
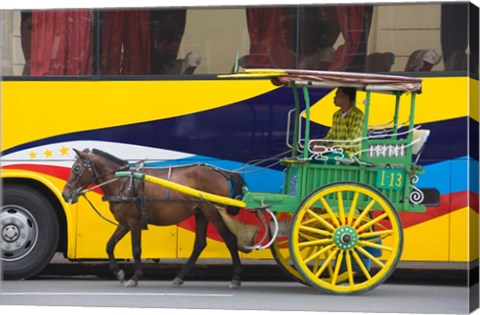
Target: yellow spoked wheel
(345, 238)
(280, 250)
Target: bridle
(78, 169)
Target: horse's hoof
(177, 282)
(131, 283)
(121, 276)
(235, 284)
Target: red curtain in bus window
(112, 41)
(26, 36)
(61, 43)
(126, 43)
(352, 24)
(271, 38)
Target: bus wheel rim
(18, 232)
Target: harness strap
(139, 199)
(227, 177)
(98, 212)
(118, 199)
(169, 176)
(141, 204)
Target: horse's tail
(236, 182)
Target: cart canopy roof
(330, 79)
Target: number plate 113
(388, 178)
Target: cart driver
(347, 125)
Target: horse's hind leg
(137, 252)
(119, 233)
(201, 224)
(231, 242)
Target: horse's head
(83, 174)
(90, 167)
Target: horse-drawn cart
(344, 233)
(336, 225)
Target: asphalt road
(263, 288)
(253, 295)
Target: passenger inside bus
(184, 66)
(423, 60)
(380, 62)
(319, 60)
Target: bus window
(167, 28)
(26, 32)
(125, 42)
(318, 32)
(272, 32)
(334, 37)
(419, 37)
(214, 36)
(172, 41)
(57, 42)
(417, 43)
(457, 52)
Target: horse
(163, 207)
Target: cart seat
(420, 137)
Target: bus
(145, 85)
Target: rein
(84, 195)
(245, 169)
(99, 185)
(98, 212)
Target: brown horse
(163, 207)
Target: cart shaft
(184, 189)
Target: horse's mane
(110, 157)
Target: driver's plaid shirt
(349, 127)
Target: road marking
(110, 294)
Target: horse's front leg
(119, 233)
(137, 253)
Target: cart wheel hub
(345, 238)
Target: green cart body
(386, 163)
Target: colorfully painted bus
(144, 85)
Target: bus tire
(29, 232)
